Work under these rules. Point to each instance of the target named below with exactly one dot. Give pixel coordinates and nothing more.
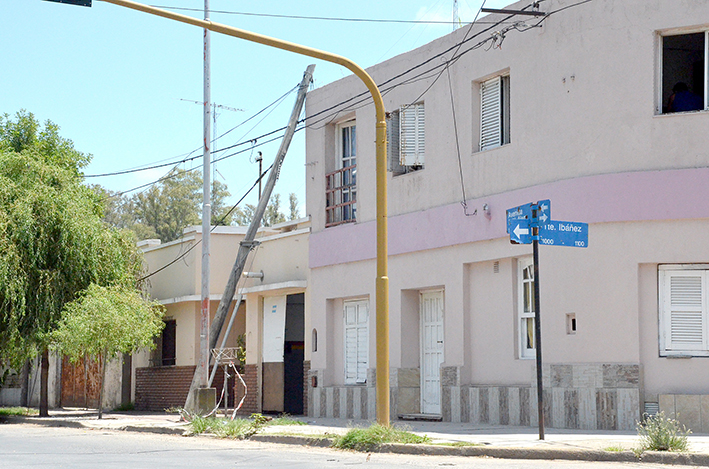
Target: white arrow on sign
(518, 231)
(544, 218)
(544, 207)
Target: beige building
(271, 317)
(578, 105)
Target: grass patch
(8, 411)
(227, 428)
(459, 444)
(286, 419)
(366, 439)
(129, 407)
(614, 449)
(661, 433)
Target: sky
(126, 86)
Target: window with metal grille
(683, 309)
(341, 185)
(494, 112)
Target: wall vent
(496, 267)
(652, 408)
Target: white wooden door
(431, 351)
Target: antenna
(456, 17)
(214, 106)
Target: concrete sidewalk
(472, 440)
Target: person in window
(683, 100)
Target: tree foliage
(105, 321)
(166, 208)
(273, 214)
(53, 243)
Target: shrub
(661, 433)
(367, 439)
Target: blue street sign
(520, 220)
(563, 233)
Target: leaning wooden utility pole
(248, 243)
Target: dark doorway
(169, 342)
(294, 354)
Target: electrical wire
(302, 17)
(274, 104)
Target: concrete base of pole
(203, 401)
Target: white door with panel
(431, 306)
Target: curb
(656, 457)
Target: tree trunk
(44, 385)
(25, 389)
(102, 359)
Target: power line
(191, 158)
(318, 18)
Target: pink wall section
(635, 196)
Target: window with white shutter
(494, 112)
(356, 318)
(406, 138)
(683, 309)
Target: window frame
(666, 272)
(358, 376)
(495, 112)
(659, 82)
(523, 316)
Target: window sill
(684, 113)
(477, 152)
(683, 355)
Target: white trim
(269, 287)
(291, 284)
(171, 243)
(284, 235)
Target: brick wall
(161, 387)
(306, 385)
(251, 403)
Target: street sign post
(532, 224)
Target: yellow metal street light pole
(382, 281)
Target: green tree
(294, 209)
(105, 321)
(53, 243)
(165, 209)
(273, 214)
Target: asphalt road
(31, 446)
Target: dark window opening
(169, 342)
(683, 72)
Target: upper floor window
(341, 185)
(494, 112)
(683, 309)
(407, 139)
(684, 72)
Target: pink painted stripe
(636, 196)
